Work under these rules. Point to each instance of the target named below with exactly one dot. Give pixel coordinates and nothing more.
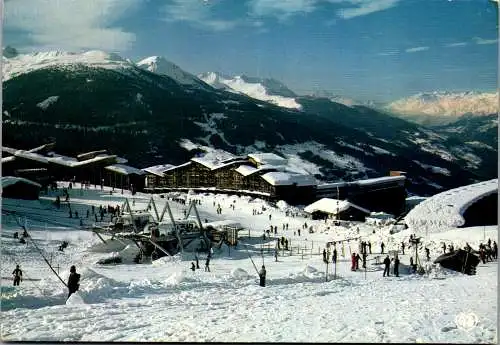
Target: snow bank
(240, 274)
(166, 260)
(75, 299)
(175, 278)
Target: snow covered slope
(164, 301)
(447, 103)
(162, 66)
(24, 63)
(268, 90)
(445, 210)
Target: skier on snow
(387, 263)
(73, 281)
(262, 276)
(18, 275)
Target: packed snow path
(165, 301)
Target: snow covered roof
(378, 180)
(222, 223)
(268, 158)
(10, 180)
(58, 159)
(158, 169)
(173, 167)
(8, 159)
(446, 209)
(246, 170)
(278, 178)
(332, 185)
(332, 206)
(124, 169)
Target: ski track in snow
(165, 301)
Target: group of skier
(73, 283)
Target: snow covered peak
(161, 66)
(24, 63)
(447, 103)
(264, 89)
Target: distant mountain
(264, 89)
(162, 66)
(452, 104)
(344, 100)
(96, 100)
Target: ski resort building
(381, 194)
(251, 175)
(336, 209)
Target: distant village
(263, 175)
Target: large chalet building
(263, 175)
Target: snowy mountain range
(447, 104)
(264, 89)
(146, 111)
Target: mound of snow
(175, 278)
(310, 272)
(282, 205)
(75, 299)
(129, 253)
(240, 274)
(164, 260)
(110, 246)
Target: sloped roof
(332, 206)
(124, 169)
(268, 158)
(158, 169)
(10, 180)
(279, 178)
(378, 180)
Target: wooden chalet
(123, 176)
(336, 209)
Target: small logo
(466, 321)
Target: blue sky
(365, 49)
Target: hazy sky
(365, 49)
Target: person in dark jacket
(207, 264)
(18, 275)
(357, 261)
(382, 245)
(262, 276)
(387, 264)
(73, 281)
(495, 250)
(396, 266)
(334, 256)
(427, 253)
(324, 256)
(444, 248)
(403, 247)
(370, 247)
(353, 262)
(193, 267)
